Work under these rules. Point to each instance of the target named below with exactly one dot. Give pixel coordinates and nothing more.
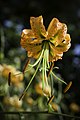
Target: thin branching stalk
(42, 112)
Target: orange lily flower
(45, 46)
(55, 38)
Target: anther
(9, 78)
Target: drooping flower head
(46, 46)
(55, 39)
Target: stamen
(22, 95)
(17, 74)
(67, 87)
(50, 99)
(9, 78)
(27, 62)
(55, 106)
(52, 64)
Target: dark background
(67, 11)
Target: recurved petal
(63, 47)
(53, 28)
(61, 34)
(55, 57)
(32, 46)
(27, 33)
(62, 31)
(37, 27)
(25, 42)
(36, 42)
(55, 54)
(67, 39)
(54, 50)
(26, 37)
(34, 55)
(30, 42)
(65, 44)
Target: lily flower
(55, 39)
(45, 46)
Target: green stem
(43, 73)
(51, 83)
(41, 112)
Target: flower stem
(43, 74)
(41, 112)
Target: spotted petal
(61, 34)
(28, 41)
(33, 54)
(37, 27)
(53, 28)
(27, 33)
(33, 46)
(54, 53)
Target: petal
(62, 31)
(29, 42)
(27, 33)
(37, 27)
(55, 54)
(67, 39)
(53, 28)
(34, 55)
(55, 57)
(60, 36)
(33, 47)
(65, 45)
(26, 36)
(62, 47)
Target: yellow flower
(16, 76)
(55, 106)
(74, 107)
(13, 101)
(29, 101)
(55, 39)
(45, 92)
